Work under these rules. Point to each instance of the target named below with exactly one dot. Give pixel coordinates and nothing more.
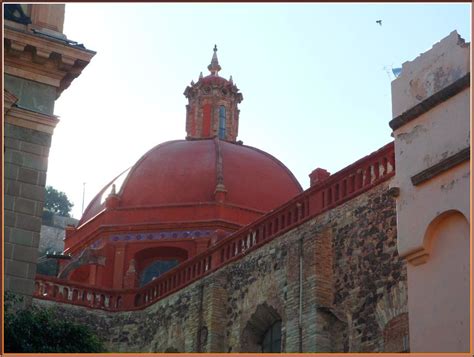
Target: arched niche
(438, 288)
(452, 220)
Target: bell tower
(212, 109)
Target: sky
(316, 80)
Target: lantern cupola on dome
(212, 109)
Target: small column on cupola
(112, 200)
(212, 109)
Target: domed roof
(189, 171)
(214, 79)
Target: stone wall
(52, 236)
(26, 154)
(38, 66)
(334, 282)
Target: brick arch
(395, 334)
(391, 314)
(392, 304)
(260, 321)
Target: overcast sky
(315, 80)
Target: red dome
(187, 172)
(213, 79)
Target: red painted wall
(206, 120)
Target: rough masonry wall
(335, 282)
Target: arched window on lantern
(221, 122)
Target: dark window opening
(272, 339)
(156, 269)
(221, 122)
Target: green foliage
(39, 330)
(57, 202)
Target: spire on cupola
(214, 67)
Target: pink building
(430, 104)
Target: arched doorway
(263, 331)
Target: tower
(212, 109)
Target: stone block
(39, 209)
(8, 203)
(8, 250)
(11, 143)
(33, 192)
(28, 175)
(11, 171)
(33, 161)
(14, 157)
(41, 178)
(16, 268)
(9, 218)
(20, 285)
(12, 188)
(19, 236)
(29, 223)
(31, 148)
(29, 135)
(25, 254)
(25, 206)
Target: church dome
(192, 172)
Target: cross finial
(214, 67)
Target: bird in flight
(379, 22)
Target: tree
(41, 330)
(57, 202)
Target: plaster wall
(433, 70)
(423, 142)
(440, 322)
(433, 214)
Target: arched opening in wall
(395, 334)
(153, 262)
(221, 122)
(263, 331)
(331, 332)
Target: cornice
(431, 102)
(48, 61)
(32, 120)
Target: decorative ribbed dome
(192, 172)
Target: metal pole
(83, 195)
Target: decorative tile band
(159, 235)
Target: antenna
(387, 70)
(83, 195)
